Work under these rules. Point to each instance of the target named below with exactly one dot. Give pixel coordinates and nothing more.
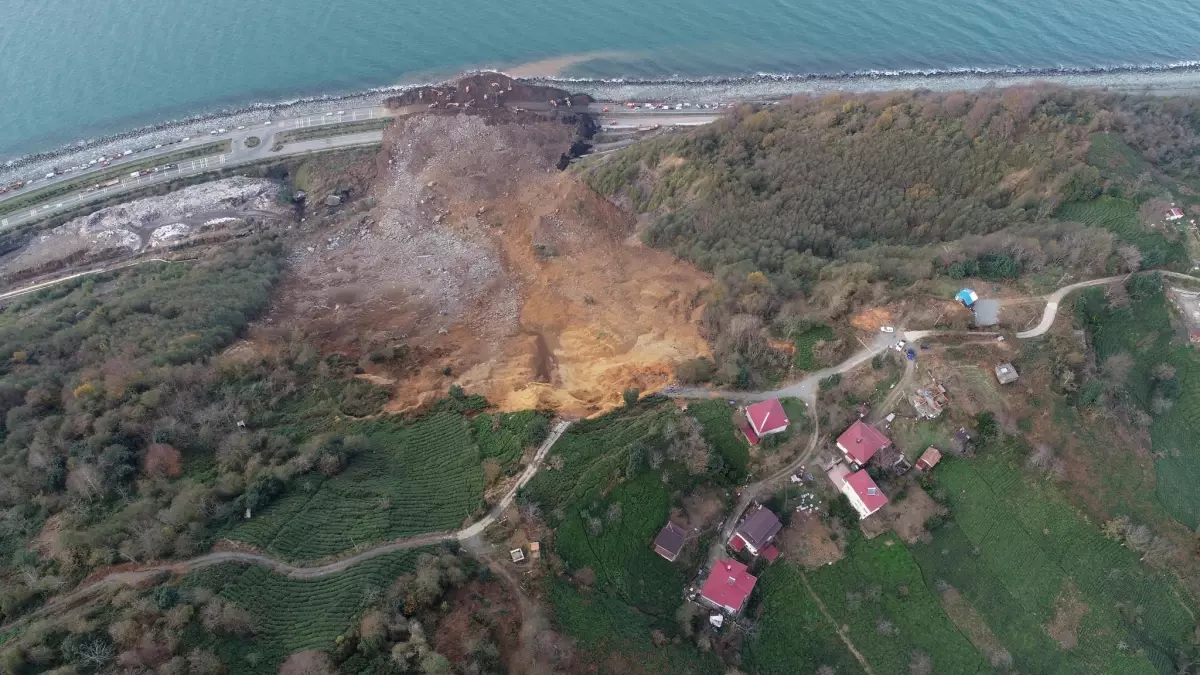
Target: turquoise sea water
(73, 69)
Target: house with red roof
(727, 586)
(1175, 214)
(861, 441)
(929, 458)
(864, 495)
(765, 418)
(756, 532)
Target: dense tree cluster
(830, 199)
(125, 441)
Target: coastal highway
(618, 118)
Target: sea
(78, 70)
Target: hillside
(840, 202)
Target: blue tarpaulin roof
(967, 297)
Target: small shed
(967, 297)
(517, 554)
(1005, 373)
(929, 458)
(669, 541)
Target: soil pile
(504, 275)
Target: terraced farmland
(1024, 559)
(1120, 216)
(418, 477)
(290, 615)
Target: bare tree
(1042, 458)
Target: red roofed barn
(861, 441)
(727, 586)
(864, 495)
(766, 417)
(756, 531)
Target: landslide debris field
(496, 271)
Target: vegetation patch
(290, 615)
(793, 635)
(1120, 216)
(805, 340)
(730, 451)
(1015, 548)
(1153, 380)
(416, 477)
(502, 437)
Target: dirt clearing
(1068, 613)
(809, 542)
(973, 626)
(509, 278)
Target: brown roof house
(669, 541)
(756, 531)
(929, 459)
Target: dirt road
(1055, 298)
(149, 572)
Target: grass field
(1120, 216)
(716, 416)
(793, 636)
(1018, 550)
(331, 130)
(40, 195)
(290, 615)
(804, 346)
(1143, 329)
(418, 477)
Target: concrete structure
(864, 495)
(987, 312)
(929, 458)
(517, 555)
(727, 586)
(861, 441)
(757, 531)
(669, 541)
(1005, 373)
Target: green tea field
(418, 477)
(1055, 593)
(716, 416)
(290, 615)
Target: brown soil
(871, 319)
(809, 542)
(701, 509)
(488, 262)
(1068, 612)
(907, 517)
(973, 626)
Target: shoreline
(1170, 79)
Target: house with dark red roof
(757, 531)
(861, 441)
(765, 418)
(669, 541)
(929, 458)
(727, 586)
(864, 495)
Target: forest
(820, 205)
(126, 440)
